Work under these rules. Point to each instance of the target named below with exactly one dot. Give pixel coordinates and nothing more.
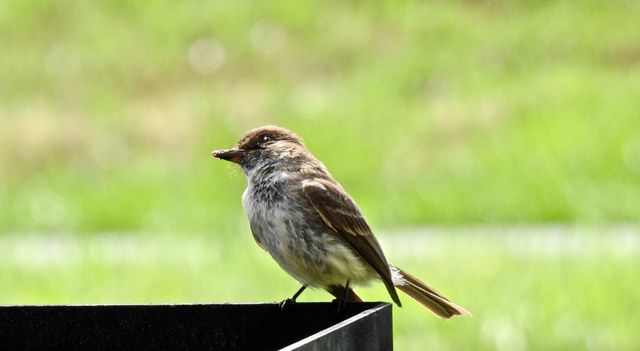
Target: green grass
(437, 112)
(447, 113)
(538, 289)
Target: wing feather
(338, 210)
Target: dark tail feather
(425, 295)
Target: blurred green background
(511, 129)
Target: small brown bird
(312, 227)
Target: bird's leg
(292, 299)
(295, 296)
(339, 291)
(341, 301)
(346, 292)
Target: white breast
(313, 258)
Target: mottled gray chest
(285, 224)
(275, 213)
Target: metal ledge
(303, 326)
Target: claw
(292, 300)
(340, 304)
(286, 303)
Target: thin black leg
(342, 301)
(295, 296)
(346, 292)
(292, 299)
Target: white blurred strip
(47, 250)
(42, 250)
(522, 241)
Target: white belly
(312, 254)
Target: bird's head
(264, 147)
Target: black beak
(232, 155)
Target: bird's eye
(265, 139)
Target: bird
(312, 227)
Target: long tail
(425, 295)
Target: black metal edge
(381, 307)
(379, 320)
(162, 304)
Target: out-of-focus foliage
(556, 289)
(438, 112)
(427, 112)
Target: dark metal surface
(369, 330)
(359, 326)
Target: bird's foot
(340, 304)
(284, 304)
(292, 300)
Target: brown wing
(341, 214)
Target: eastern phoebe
(311, 226)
